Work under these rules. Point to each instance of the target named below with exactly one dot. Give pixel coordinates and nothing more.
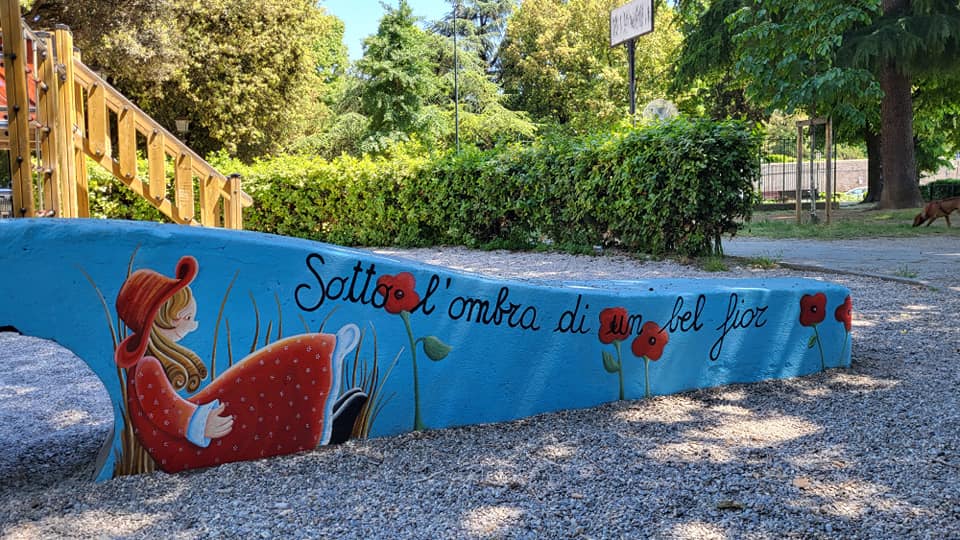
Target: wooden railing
(100, 100)
(75, 115)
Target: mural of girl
(278, 400)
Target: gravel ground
(867, 452)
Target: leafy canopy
(396, 73)
(250, 75)
(557, 63)
(786, 51)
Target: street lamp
(183, 126)
(456, 79)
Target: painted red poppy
(844, 313)
(399, 292)
(614, 325)
(813, 309)
(649, 344)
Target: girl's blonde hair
(182, 366)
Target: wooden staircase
(60, 113)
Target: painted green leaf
(436, 350)
(812, 342)
(609, 364)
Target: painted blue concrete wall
(486, 350)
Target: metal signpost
(627, 23)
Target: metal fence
(778, 172)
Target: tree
(786, 52)
(484, 119)
(125, 40)
(396, 75)
(787, 55)
(250, 75)
(480, 25)
(911, 39)
(841, 58)
(704, 65)
(557, 63)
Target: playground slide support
(18, 108)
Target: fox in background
(937, 209)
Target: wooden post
(183, 179)
(127, 145)
(79, 157)
(156, 167)
(209, 195)
(233, 207)
(828, 149)
(799, 170)
(18, 107)
(98, 139)
(47, 115)
(78, 202)
(63, 134)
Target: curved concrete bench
(217, 346)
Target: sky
(361, 17)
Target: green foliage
(250, 75)
(787, 52)
(474, 198)
(941, 189)
(479, 27)
(347, 200)
(670, 187)
(921, 39)
(557, 63)
(484, 120)
(130, 40)
(396, 73)
(713, 264)
(251, 85)
(110, 198)
(704, 65)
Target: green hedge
(941, 189)
(670, 187)
(110, 198)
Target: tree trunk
(900, 189)
(874, 157)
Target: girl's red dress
(278, 397)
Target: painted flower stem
(646, 377)
(417, 420)
(616, 345)
(843, 347)
(823, 365)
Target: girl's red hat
(140, 298)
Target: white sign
(631, 20)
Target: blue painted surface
(536, 347)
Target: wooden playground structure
(59, 115)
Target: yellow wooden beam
(63, 50)
(48, 115)
(77, 120)
(209, 197)
(232, 207)
(127, 144)
(18, 107)
(157, 166)
(184, 187)
(97, 132)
